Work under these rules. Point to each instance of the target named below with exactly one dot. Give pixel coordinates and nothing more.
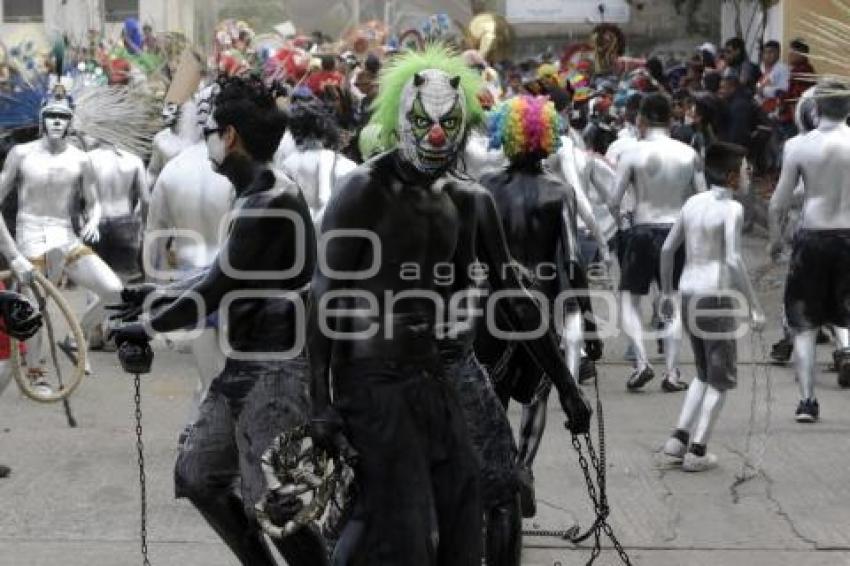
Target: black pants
(418, 493)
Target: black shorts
(247, 406)
(817, 290)
(640, 262)
(120, 243)
(715, 357)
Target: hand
(20, 319)
(134, 350)
(133, 301)
(327, 434)
(668, 306)
(578, 411)
(23, 270)
(91, 233)
(757, 319)
(282, 508)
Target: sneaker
(694, 463)
(781, 351)
(639, 378)
(674, 448)
(527, 496)
(670, 386)
(842, 366)
(586, 370)
(808, 411)
(5, 471)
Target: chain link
(596, 490)
(140, 447)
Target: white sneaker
(674, 448)
(694, 463)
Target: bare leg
(633, 327)
(573, 335)
(842, 337)
(804, 362)
(672, 347)
(712, 403)
(692, 405)
(90, 272)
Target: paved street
(72, 498)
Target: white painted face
(216, 149)
(170, 113)
(56, 124)
(205, 103)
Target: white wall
(773, 30)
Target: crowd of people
(378, 191)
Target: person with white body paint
(713, 282)
(663, 173)
(49, 174)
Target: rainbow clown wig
(525, 126)
(401, 81)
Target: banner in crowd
(561, 11)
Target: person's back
(664, 174)
(823, 160)
(705, 217)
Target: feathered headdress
(525, 125)
(395, 76)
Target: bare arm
(624, 179)
(782, 195)
(8, 178)
(675, 238)
(139, 197)
(94, 211)
(699, 184)
(156, 221)
(585, 212)
(735, 260)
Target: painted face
(205, 103)
(432, 121)
(170, 113)
(216, 149)
(56, 124)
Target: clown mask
(432, 120)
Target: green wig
(397, 74)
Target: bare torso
(120, 179)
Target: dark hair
(246, 104)
(736, 43)
(312, 120)
(656, 109)
(833, 100)
(773, 44)
(328, 62)
(711, 80)
(722, 158)
(800, 46)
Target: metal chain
(598, 498)
(140, 447)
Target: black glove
(21, 320)
(134, 350)
(578, 411)
(133, 299)
(326, 430)
(593, 346)
(282, 508)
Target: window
(117, 11)
(23, 11)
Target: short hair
(736, 43)
(833, 100)
(633, 101)
(711, 80)
(328, 62)
(722, 158)
(655, 108)
(246, 104)
(773, 44)
(800, 46)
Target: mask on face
(432, 120)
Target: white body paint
(318, 173)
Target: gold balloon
(491, 35)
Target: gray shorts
(716, 359)
(247, 406)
